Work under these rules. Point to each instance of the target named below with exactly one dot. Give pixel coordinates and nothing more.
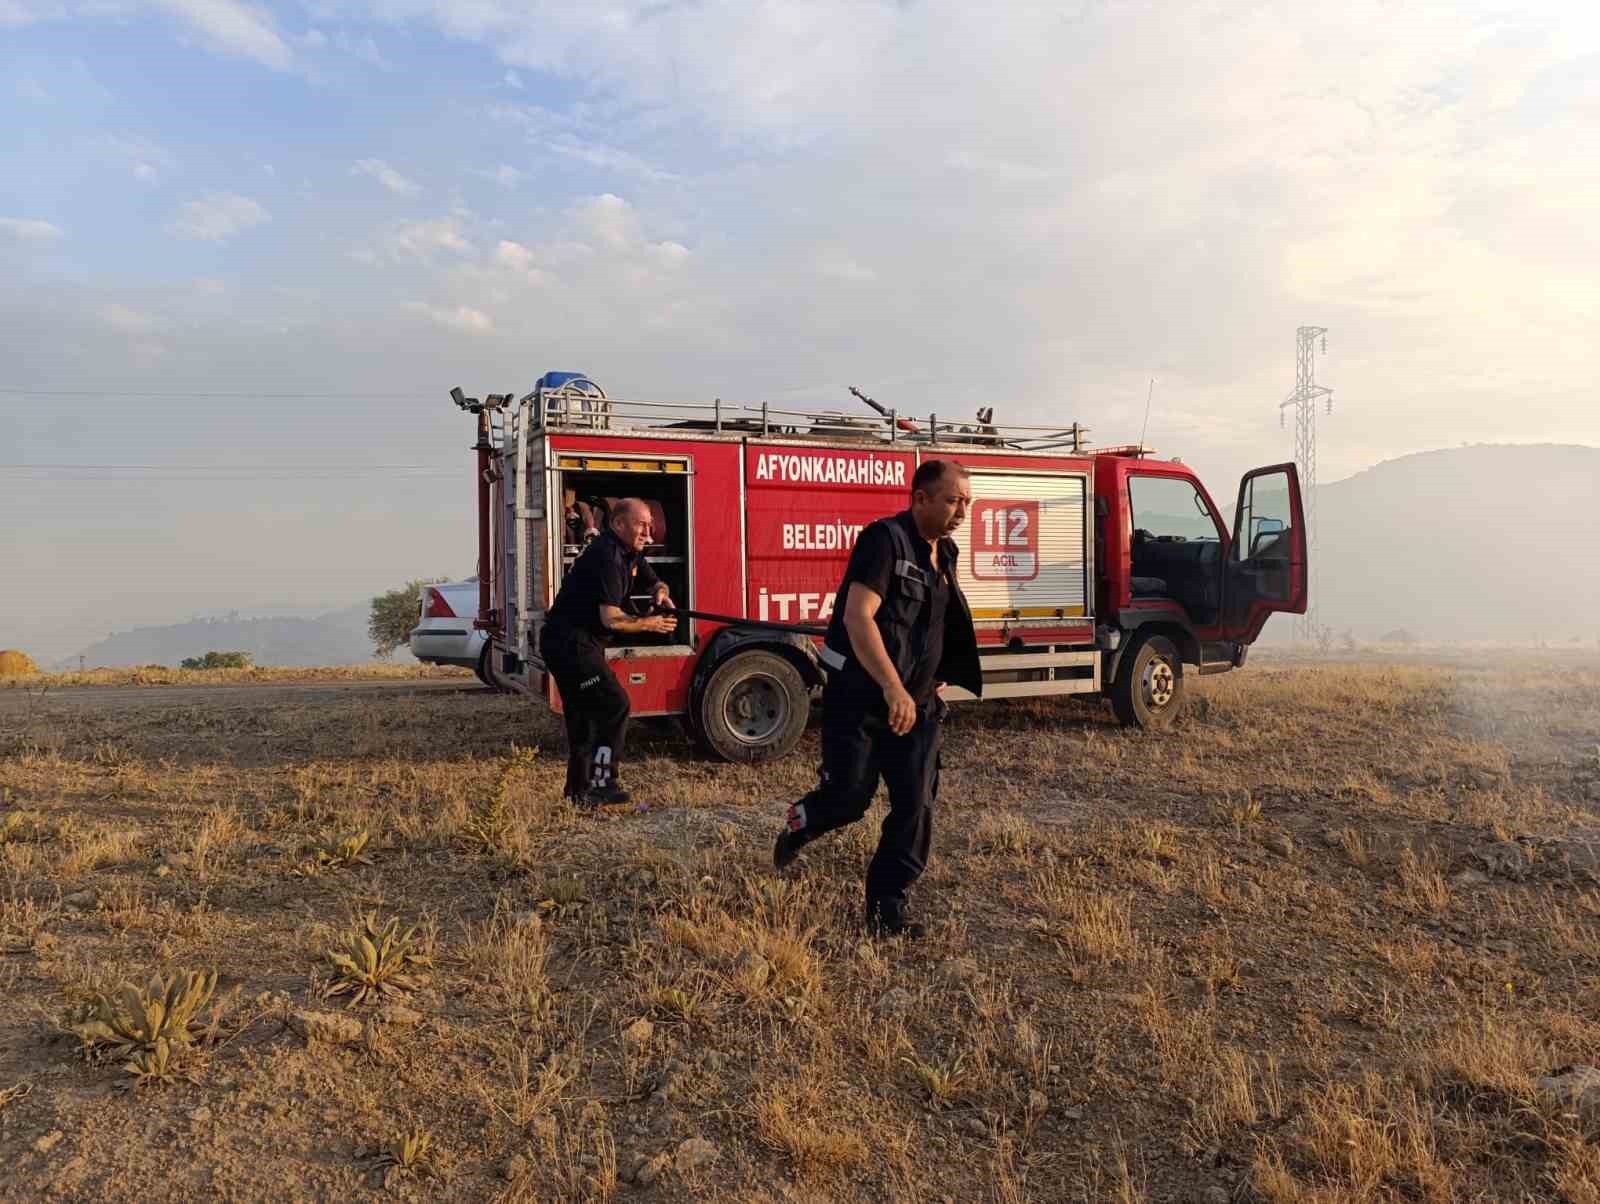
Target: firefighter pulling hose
(589, 613)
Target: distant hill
(336, 638)
(1490, 542)
(1498, 542)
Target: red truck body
(1088, 571)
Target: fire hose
(735, 621)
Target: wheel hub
(757, 709)
(1159, 683)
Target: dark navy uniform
(573, 643)
(928, 634)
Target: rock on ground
(1575, 1088)
(331, 1027)
(694, 1153)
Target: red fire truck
(1089, 571)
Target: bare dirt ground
(1319, 943)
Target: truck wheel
(485, 667)
(754, 708)
(1148, 691)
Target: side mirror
(1264, 532)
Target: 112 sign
(1005, 540)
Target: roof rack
(580, 404)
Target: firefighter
(591, 609)
(900, 629)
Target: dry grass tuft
(1421, 884)
(219, 833)
(1355, 847)
(785, 1120)
(1004, 832)
(88, 850)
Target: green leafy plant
(153, 1066)
(375, 961)
(146, 1025)
(412, 1153)
(338, 851)
(944, 1084)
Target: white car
(444, 634)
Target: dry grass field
(1317, 944)
(163, 675)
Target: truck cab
(1177, 586)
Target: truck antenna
(1146, 428)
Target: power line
(211, 473)
(236, 467)
(200, 396)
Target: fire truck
(1090, 571)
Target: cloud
(834, 263)
(26, 12)
(513, 255)
(124, 318)
(463, 318)
(417, 242)
(385, 175)
(219, 216)
(144, 159)
(363, 48)
(232, 28)
(26, 86)
(1057, 200)
(505, 175)
(24, 229)
(575, 137)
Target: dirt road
(107, 698)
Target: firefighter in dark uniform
(591, 609)
(900, 630)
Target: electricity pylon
(1304, 400)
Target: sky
(245, 250)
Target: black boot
(887, 917)
(791, 839)
(601, 796)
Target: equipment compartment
(589, 486)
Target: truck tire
(1148, 691)
(754, 708)
(485, 667)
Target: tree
(217, 660)
(395, 613)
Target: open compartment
(585, 490)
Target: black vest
(903, 639)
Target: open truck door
(1266, 569)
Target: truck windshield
(1170, 508)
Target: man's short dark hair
(930, 472)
